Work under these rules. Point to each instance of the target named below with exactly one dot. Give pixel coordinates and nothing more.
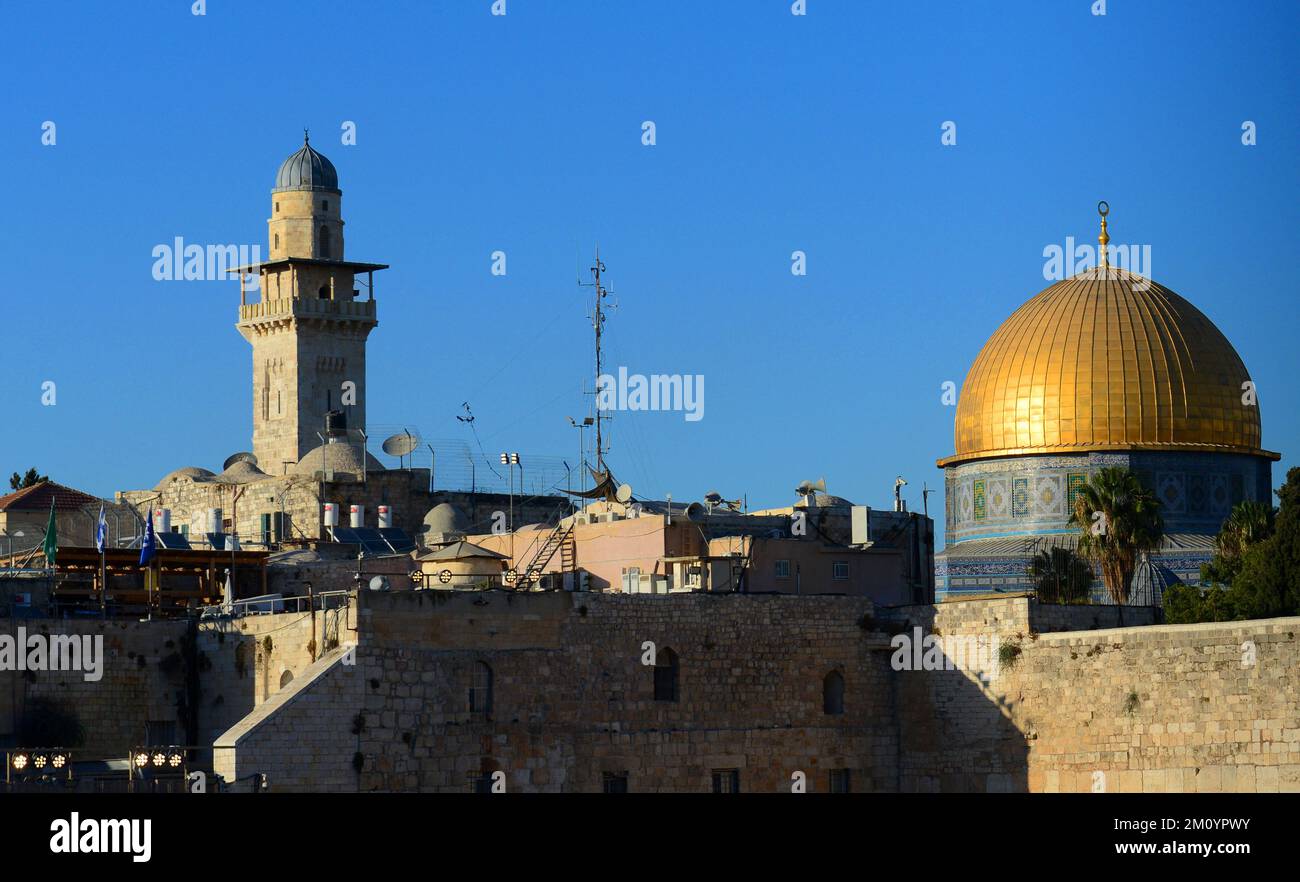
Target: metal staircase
(560, 540)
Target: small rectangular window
(613, 782)
(726, 780)
(478, 782)
(783, 569)
(840, 571)
(841, 781)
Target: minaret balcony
(324, 308)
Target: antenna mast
(598, 323)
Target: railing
(270, 604)
(304, 306)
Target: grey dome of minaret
(307, 170)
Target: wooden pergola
(186, 579)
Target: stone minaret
(309, 329)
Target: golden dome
(1105, 361)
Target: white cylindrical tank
(357, 516)
(385, 517)
(214, 520)
(162, 522)
(331, 514)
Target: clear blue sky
(775, 133)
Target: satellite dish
(624, 492)
(807, 488)
(239, 457)
(379, 583)
(401, 444)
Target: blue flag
(101, 530)
(149, 547)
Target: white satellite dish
(623, 493)
(379, 583)
(400, 444)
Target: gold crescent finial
(1103, 209)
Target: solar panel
(172, 540)
(371, 541)
(346, 535)
(216, 541)
(397, 539)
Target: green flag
(51, 537)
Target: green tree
(1249, 523)
(1189, 604)
(30, 479)
(1119, 521)
(1061, 576)
(1268, 583)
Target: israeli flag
(149, 547)
(101, 530)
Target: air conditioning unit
(649, 583)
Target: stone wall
(572, 701)
(1055, 708)
(252, 659)
(1151, 708)
(148, 676)
(1173, 708)
(143, 681)
(297, 738)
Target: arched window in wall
(667, 672)
(833, 693)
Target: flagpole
(147, 554)
(101, 539)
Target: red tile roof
(38, 496)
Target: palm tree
(1248, 523)
(1120, 521)
(1061, 576)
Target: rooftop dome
(445, 518)
(825, 500)
(307, 170)
(1151, 580)
(242, 472)
(188, 473)
(1105, 361)
(341, 458)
